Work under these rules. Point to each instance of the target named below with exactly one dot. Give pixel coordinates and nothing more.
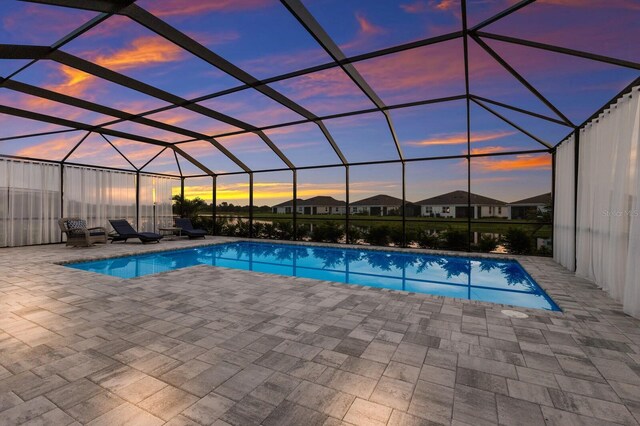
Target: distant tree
(188, 208)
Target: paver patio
(207, 345)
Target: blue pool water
(498, 281)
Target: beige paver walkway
(206, 345)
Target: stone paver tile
(26, 411)
(210, 379)
(330, 358)
(487, 366)
(299, 350)
(587, 388)
(537, 377)
(320, 398)
(55, 417)
(555, 417)
(8, 400)
(275, 389)
(529, 392)
(542, 362)
(513, 411)
(393, 393)
(365, 413)
(307, 370)
(277, 361)
(289, 413)
(249, 411)
(142, 389)
(345, 381)
(438, 375)
(167, 402)
(244, 382)
(409, 353)
(117, 377)
(407, 373)
(616, 370)
(626, 391)
(181, 420)
(126, 414)
(74, 393)
(432, 401)
(95, 406)
(389, 336)
(184, 372)
(208, 409)
(351, 346)
(27, 385)
(363, 367)
(592, 407)
(379, 351)
(399, 418)
(441, 358)
(480, 380)
(579, 368)
(474, 406)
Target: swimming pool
(499, 281)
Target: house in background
(530, 207)
(315, 205)
(455, 204)
(382, 205)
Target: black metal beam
(119, 152)
(395, 161)
(465, 46)
(521, 79)
(313, 27)
(75, 147)
(520, 110)
(33, 135)
(106, 6)
(502, 14)
(562, 50)
(175, 155)
(512, 124)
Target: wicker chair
(78, 235)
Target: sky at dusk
(262, 38)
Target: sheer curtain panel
(563, 205)
(608, 221)
(98, 195)
(29, 202)
(158, 191)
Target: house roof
(320, 200)
(541, 199)
(458, 197)
(379, 200)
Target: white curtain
(29, 202)
(608, 222)
(98, 195)
(156, 191)
(563, 205)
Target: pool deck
(206, 345)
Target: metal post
(576, 162)
(138, 200)
(404, 206)
(61, 195)
(346, 219)
(295, 204)
(553, 193)
(214, 203)
(465, 44)
(181, 212)
(250, 205)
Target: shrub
(428, 240)
(329, 232)
(355, 234)
(455, 240)
(487, 243)
(518, 241)
(378, 235)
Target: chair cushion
(76, 224)
(96, 233)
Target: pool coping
(522, 260)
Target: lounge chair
(78, 235)
(187, 228)
(124, 231)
